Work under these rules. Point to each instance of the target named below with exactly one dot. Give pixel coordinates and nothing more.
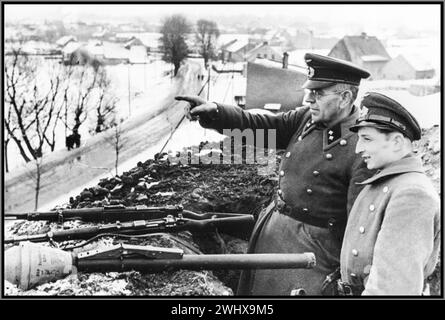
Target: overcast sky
(410, 16)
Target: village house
(284, 37)
(264, 51)
(402, 68)
(133, 42)
(106, 53)
(364, 51)
(63, 41)
(72, 53)
(236, 50)
(274, 86)
(138, 55)
(115, 54)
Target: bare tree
(77, 99)
(106, 102)
(207, 33)
(174, 31)
(32, 102)
(117, 141)
(8, 136)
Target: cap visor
(312, 84)
(370, 124)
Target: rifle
(167, 224)
(112, 213)
(30, 264)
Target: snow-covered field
(137, 87)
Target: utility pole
(208, 84)
(129, 97)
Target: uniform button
(279, 192)
(308, 124)
(355, 252)
(328, 156)
(367, 269)
(353, 275)
(316, 173)
(371, 207)
(287, 154)
(305, 210)
(343, 142)
(385, 189)
(300, 138)
(282, 173)
(362, 229)
(309, 191)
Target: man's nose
(309, 97)
(359, 147)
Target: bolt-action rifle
(112, 213)
(138, 227)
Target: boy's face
(376, 148)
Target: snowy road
(65, 171)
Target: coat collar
(332, 134)
(410, 163)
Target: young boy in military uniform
(392, 237)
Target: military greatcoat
(317, 187)
(392, 238)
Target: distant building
(133, 42)
(62, 42)
(236, 51)
(264, 51)
(103, 34)
(107, 53)
(365, 51)
(72, 54)
(138, 54)
(401, 68)
(272, 87)
(115, 54)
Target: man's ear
(346, 98)
(398, 140)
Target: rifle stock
(113, 213)
(102, 214)
(168, 224)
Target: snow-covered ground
(137, 87)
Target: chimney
(364, 35)
(285, 60)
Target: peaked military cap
(382, 112)
(324, 71)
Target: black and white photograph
(222, 150)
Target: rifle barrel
(101, 214)
(140, 227)
(203, 262)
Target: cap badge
(310, 72)
(363, 111)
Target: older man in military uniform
(316, 177)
